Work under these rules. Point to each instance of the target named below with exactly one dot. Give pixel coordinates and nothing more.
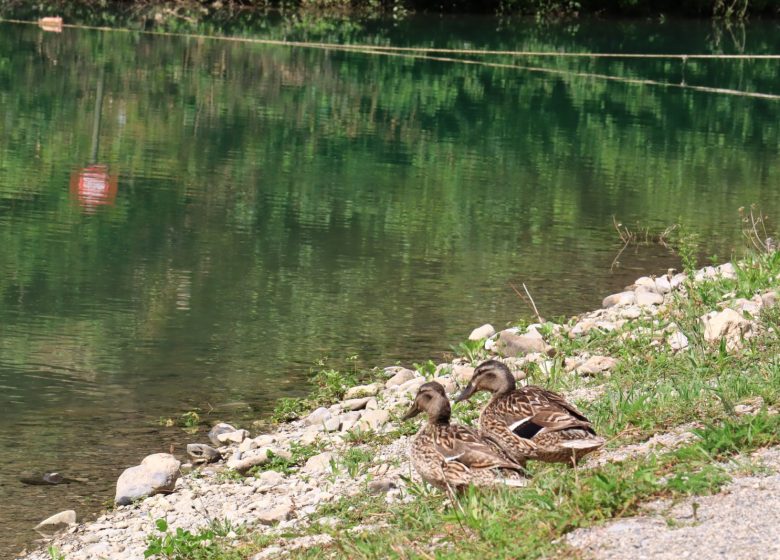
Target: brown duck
(530, 422)
(451, 456)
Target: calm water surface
(191, 224)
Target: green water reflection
(272, 206)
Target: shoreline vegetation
(193, 12)
(680, 372)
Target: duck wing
(528, 413)
(459, 444)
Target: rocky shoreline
(273, 483)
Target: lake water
(193, 224)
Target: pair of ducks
(529, 423)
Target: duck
(451, 456)
(530, 423)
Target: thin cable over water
(408, 52)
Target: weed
(55, 554)
(184, 545)
(473, 350)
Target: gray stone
(510, 344)
(373, 419)
(381, 486)
(355, 404)
(201, 453)
(155, 475)
(622, 298)
(318, 464)
(369, 390)
(218, 429)
(485, 331)
(317, 417)
(401, 377)
(57, 522)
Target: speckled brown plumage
(451, 456)
(530, 422)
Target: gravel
(738, 523)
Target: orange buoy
(53, 24)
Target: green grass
(329, 386)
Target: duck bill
(411, 413)
(466, 393)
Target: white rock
(317, 417)
(645, 297)
(57, 522)
(727, 271)
(349, 420)
(678, 280)
(269, 479)
(247, 445)
(401, 377)
(677, 341)
(218, 429)
(318, 464)
(622, 298)
(631, 312)
(156, 474)
(355, 404)
(447, 383)
(462, 373)
(512, 345)
(280, 511)
(646, 282)
(236, 436)
(663, 285)
(373, 419)
(485, 331)
(243, 461)
(332, 424)
(372, 404)
(596, 364)
(728, 325)
(369, 390)
(412, 385)
(705, 273)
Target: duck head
(491, 376)
(432, 400)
